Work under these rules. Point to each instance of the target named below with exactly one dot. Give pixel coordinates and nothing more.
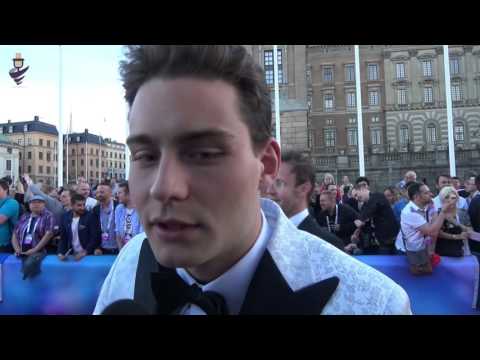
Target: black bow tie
(171, 292)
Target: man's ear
(305, 187)
(270, 160)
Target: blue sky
(92, 90)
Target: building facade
(9, 158)
(94, 158)
(37, 142)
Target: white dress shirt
(233, 284)
(90, 203)
(298, 218)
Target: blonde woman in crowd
(453, 236)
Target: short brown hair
(302, 167)
(230, 63)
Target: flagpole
(68, 140)
(277, 95)
(60, 123)
(358, 98)
(448, 93)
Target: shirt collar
(233, 284)
(298, 218)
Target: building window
(9, 165)
(427, 68)
(402, 96)
(456, 92)
(20, 156)
(350, 72)
(454, 66)
(376, 137)
(111, 156)
(10, 129)
(40, 142)
(82, 151)
(269, 66)
(96, 163)
(96, 152)
(48, 143)
(48, 169)
(351, 100)
(431, 134)
(29, 141)
(91, 174)
(103, 163)
(40, 169)
(327, 73)
(29, 155)
(373, 98)
(91, 162)
(372, 71)
(352, 137)
(73, 151)
(404, 135)
(54, 144)
(20, 141)
(40, 155)
(375, 119)
(48, 156)
(82, 162)
(352, 120)
(428, 95)
(25, 128)
(91, 151)
(96, 174)
(328, 102)
(115, 155)
(103, 153)
(82, 173)
(73, 162)
(29, 168)
(459, 132)
(400, 71)
(78, 139)
(329, 136)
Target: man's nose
(170, 181)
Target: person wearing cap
(31, 234)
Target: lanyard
(110, 217)
(27, 229)
(336, 220)
(128, 225)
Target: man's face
(332, 189)
(455, 183)
(65, 198)
(37, 206)
(123, 195)
(84, 190)
(470, 185)
(79, 207)
(103, 193)
(410, 176)
(3, 192)
(285, 192)
(194, 174)
(362, 194)
(442, 182)
(425, 195)
(326, 202)
(389, 195)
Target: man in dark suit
(103, 220)
(292, 190)
(77, 234)
(377, 209)
(338, 219)
(474, 213)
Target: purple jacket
(46, 222)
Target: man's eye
(204, 155)
(143, 157)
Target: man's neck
(331, 209)
(76, 215)
(128, 205)
(420, 205)
(298, 209)
(106, 203)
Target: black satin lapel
(147, 264)
(270, 294)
